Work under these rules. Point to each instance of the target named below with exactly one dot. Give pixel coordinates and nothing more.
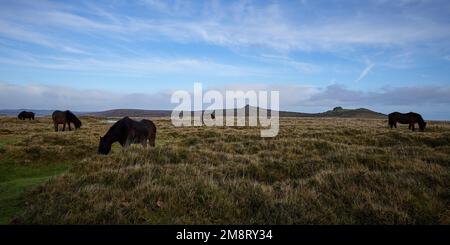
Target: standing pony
(63, 117)
(410, 118)
(127, 131)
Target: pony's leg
(56, 127)
(64, 126)
(151, 140)
(144, 143)
(127, 143)
(69, 126)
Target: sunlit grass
(316, 171)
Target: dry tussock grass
(316, 171)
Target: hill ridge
(121, 112)
(336, 112)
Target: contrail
(365, 72)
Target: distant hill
(336, 112)
(352, 113)
(131, 113)
(15, 112)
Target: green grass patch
(16, 179)
(7, 140)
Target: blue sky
(95, 55)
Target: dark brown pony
(127, 131)
(63, 117)
(26, 114)
(410, 118)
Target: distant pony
(63, 117)
(26, 114)
(127, 131)
(410, 118)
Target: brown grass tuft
(316, 171)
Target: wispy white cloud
(136, 65)
(291, 95)
(163, 6)
(304, 67)
(247, 24)
(242, 25)
(14, 96)
(61, 97)
(412, 96)
(402, 2)
(365, 72)
(16, 32)
(90, 36)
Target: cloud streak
(365, 72)
(61, 97)
(425, 95)
(154, 65)
(246, 25)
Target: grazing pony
(127, 131)
(410, 118)
(63, 117)
(26, 114)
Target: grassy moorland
(316, 171)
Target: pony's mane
(421, 121)
(115, 127)
(418, 116)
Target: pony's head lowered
(422, 124)
(103, 146)
(420, 121)
(72, 118)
